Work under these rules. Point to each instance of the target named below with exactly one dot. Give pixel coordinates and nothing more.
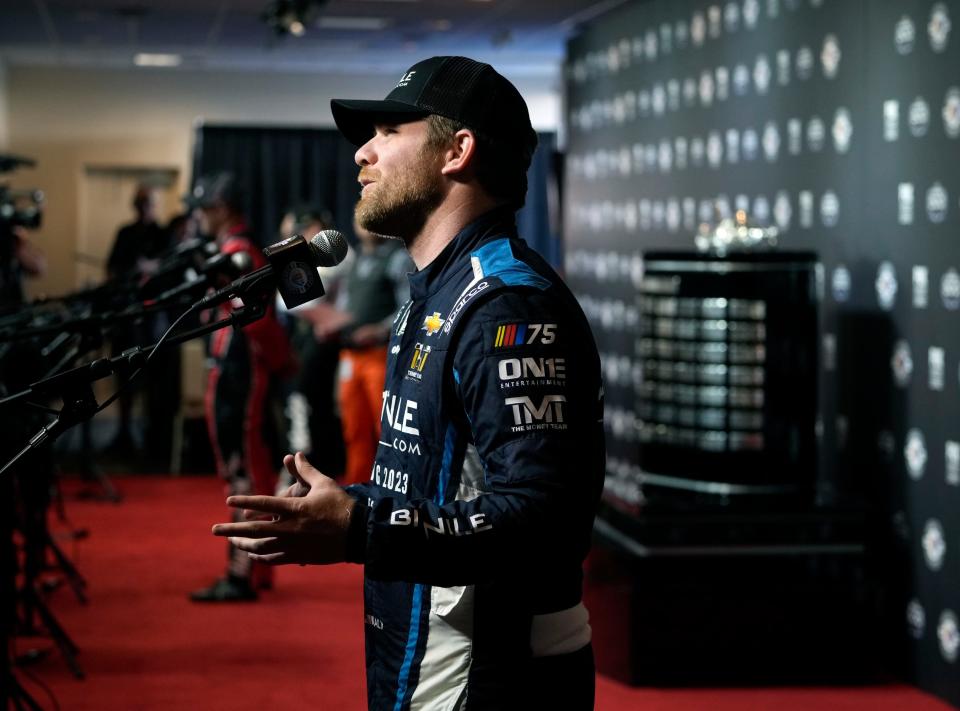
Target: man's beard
(400, 207)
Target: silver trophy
(733, 234)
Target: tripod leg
(77, 582)
(22, 701)
(57, 633)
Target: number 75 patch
(513, 335)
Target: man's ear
(460, 153)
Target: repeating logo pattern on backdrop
(657, 146)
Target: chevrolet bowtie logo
(432, 324)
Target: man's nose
(365, 154)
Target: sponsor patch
(511, 335)
(535, 414)
(432, 323)
(418, 362)
(531, 372)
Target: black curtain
(282, 167)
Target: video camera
(19, 208)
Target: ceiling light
(145, 59)
(331, 22)
(291, 17)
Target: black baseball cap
(462, 89)
(214, 188)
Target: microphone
(212, 272)
(228, 265)
(174, 263)
(292, 269)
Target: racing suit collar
(498, 222)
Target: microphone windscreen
(330, 247)
(240, 263)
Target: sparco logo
(527, 416)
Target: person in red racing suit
(242, 364)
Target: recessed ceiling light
(297, 29)
(333, 22)
(145, 59)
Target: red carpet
(145, 647)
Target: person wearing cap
(242, 363)
(478, 514)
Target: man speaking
(478, 513)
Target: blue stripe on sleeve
(496, 259)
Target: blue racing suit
(479, 509)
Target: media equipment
(292, 269)
(19, 208)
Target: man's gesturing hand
(309, 522)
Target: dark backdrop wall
(283, 167)
(838, 121)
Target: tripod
(32, 483)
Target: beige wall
(70, 119)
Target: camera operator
(19, 257)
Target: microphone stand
(75, 386)
(98, 322)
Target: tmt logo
(527, 416)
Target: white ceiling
(517, 36)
